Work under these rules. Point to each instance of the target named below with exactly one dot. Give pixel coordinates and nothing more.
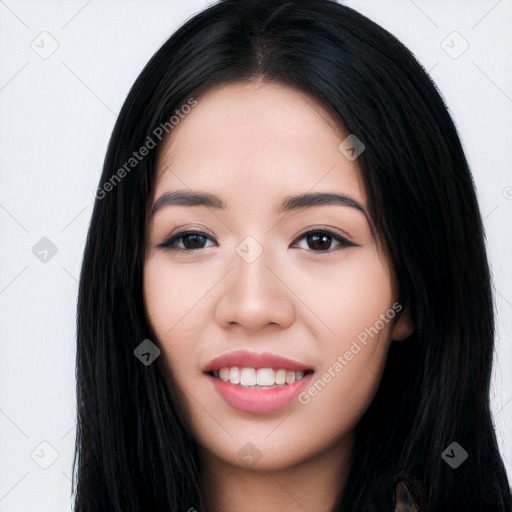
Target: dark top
(403, 499)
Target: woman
(285, 300)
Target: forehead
(252, 138)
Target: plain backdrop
(65, 70)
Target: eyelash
(170, 243)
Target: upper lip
(245, 358)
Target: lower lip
(259, 400)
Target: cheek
(340, 398)
(171, 299)
(356, 304)
(174, 294)
(350, 295)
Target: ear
(404, 326)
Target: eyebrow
(290, 203)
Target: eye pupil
(319, 241)
(198, 240)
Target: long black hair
(134, 450)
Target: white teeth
(280, 377)
(261, 377)
(234, 375)
(248, 377)
(224, 374)
(265, 377)
(290, 377)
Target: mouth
(258, 383)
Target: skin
(253, 144)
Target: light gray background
(56, 115)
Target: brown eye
(191, 240)
(316, 241)
(321, 240)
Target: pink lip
(259, 400)
(242, 358)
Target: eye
(320, 241)
(190, 240)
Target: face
(262, 288)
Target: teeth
(261, 377)
(224, 374)
(280, 376)
(234, 375)
(248, 377)
(290, 377)
(265, 377)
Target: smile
(258, 378)
(257, 383)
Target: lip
(259, 401)
(242, 358)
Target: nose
(254, 295)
